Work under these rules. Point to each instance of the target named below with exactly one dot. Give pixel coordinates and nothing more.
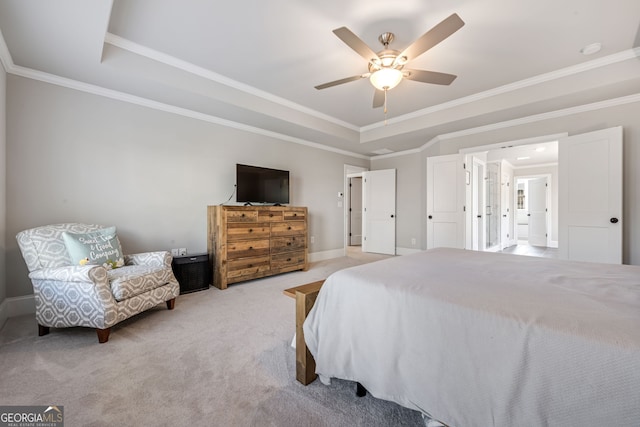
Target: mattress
(486, 339)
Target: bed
(486, 339)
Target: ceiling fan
(386, 68)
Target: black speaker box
(192, 272)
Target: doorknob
(613, 220)
(430, 217)
(392, 215)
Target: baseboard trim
(407, 251)
(3, 313)
(19, 306)
(324, 255)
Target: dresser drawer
(288, 244)
(287, 260)
(288, 228)
(248, 248)
(247, 266)
(294, 215)
(242, 216)
(243, 231)
(269, 216)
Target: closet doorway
(532, 210)
(354, 220)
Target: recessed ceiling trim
(629, 99)
(188, 67)
(5, 55)
(515, 143)
(542, 78)
(399, 153)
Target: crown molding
(5, 55)
(609, 103)
(614, 102)
(188, 67)
(10, 67)
(515, 143)
(542, 78)
(397, 154)
(144, 102)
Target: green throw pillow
(100, 247)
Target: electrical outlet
(413, 241)
(175, 252)
(313, 239)
(182, 251)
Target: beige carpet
(220, 358)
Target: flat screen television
(261, 185)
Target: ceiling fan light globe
(385, 78)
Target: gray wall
(3, 186)
(623, 115)
(74, 156)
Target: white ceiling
(254, 64)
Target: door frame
(350, 171)
(468, 152)
(478, 213)
(349, 201)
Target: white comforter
(486, 339)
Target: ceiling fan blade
(341, 81)
(432, 77)
(378, 98)
(434, 36)
(355, 43)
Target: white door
(590, 196)
(445, 201)
(537, 194)
(379, 211)
(477, 205)
(355, 211)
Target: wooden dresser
(248, 242)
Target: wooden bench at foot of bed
(305, 296)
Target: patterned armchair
(91, 295)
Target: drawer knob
(251, 230)
(250, 247)
(295, 214)
(288, 228)
(242, 215)
(288, 259)
(270, 215)
(250, 265)
(288, 243)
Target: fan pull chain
(385, 106)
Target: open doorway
(369, 210)
(353, 209)
(354, 219)
(511, 202)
